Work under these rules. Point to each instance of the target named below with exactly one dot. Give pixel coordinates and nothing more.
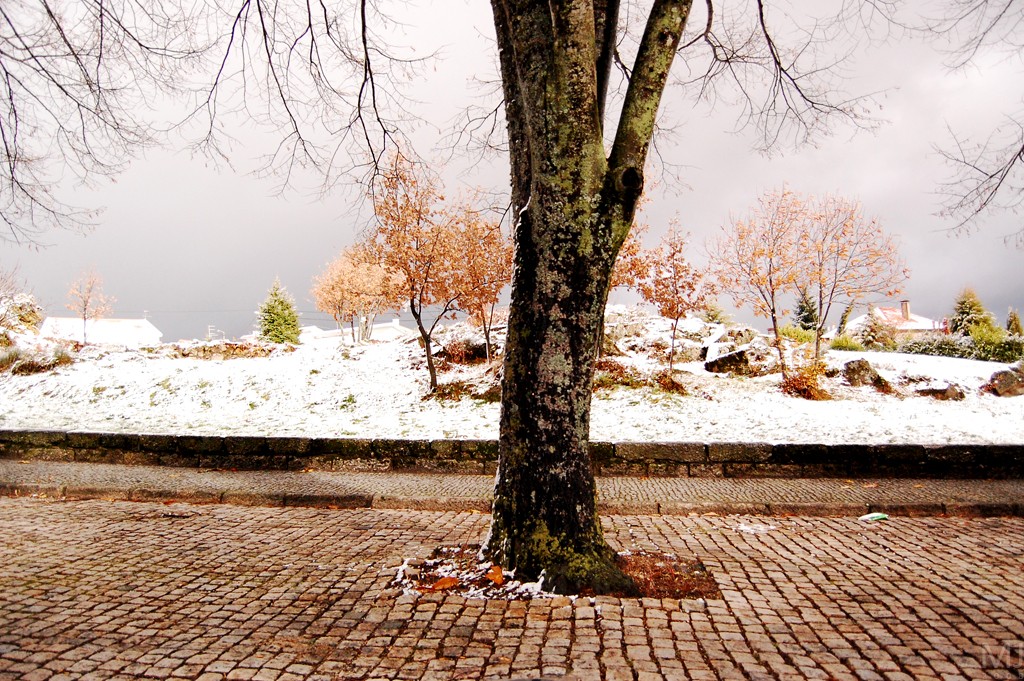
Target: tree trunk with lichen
(574, 206)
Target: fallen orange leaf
(445, 583)
(495, 575)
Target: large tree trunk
(574, 207)
(545, 497)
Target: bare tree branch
(86, 84)
(787, 94)
(986, 178)
(78, 80)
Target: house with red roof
(899, 318)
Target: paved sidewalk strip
(621, 495)
(119, 591)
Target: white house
(393, 330)
(132, 333)
(899, 318)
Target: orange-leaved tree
(844, 256)
(757, 260)
(86, 300)
(672, 284)
(427, 244)
(630, 264)
(485, 270)
(354, 289)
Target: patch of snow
(330, 388)
(754, 528)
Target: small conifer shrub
(278, 320)
(1013, 325)
(968, 312)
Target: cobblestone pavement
(117, 590)
(674, 496)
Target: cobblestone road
(121, 590)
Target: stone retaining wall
(693, 459)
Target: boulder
(860, 372)
(1006, 383)
(713, 351)
(950, 391)
(754, 359)
(741, 335)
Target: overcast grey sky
(195, 245)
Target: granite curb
(479, 456)
(434, 492)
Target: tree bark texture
(574, 207)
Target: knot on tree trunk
(629, 183)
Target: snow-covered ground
(326, 388)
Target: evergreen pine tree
(876, 334)
(1013, 326)
(806, 314)
(278, 320)
(714, 314)
(969, 311)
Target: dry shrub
(491, 394)
(805, 381)
(21, 363)
(9, 358)
(465, 351)
(62, 357)
(31, 365)
(668, 382)
(456, 390)
(610, 373)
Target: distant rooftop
(900, 318)
(128, 332)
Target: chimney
(905, 309)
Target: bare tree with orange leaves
(757, 260)
(413, 238)
(354, 290)
(630, 264)
(844, 256)
(672, 284)
(86, 300)
(793, 242)
(486, 269)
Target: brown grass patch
(456, 390)
(805, 382)
(610, 373)
(668, 382)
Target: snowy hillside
(326, 387)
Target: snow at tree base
(326, 387)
